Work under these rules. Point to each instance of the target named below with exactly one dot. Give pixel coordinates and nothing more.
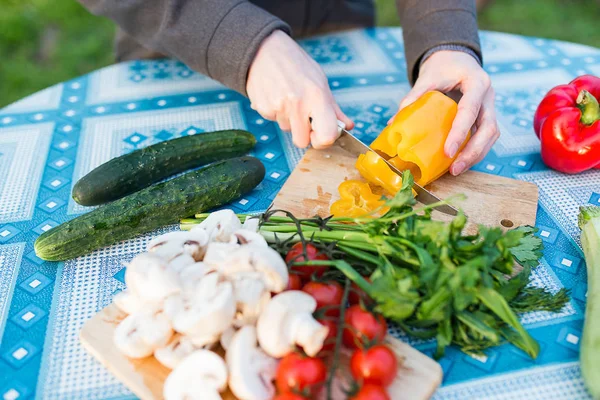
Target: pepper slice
(415, 141)
(356, 200)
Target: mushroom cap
(220, 225)
(244, 236)
(172, 244)
(251, 223)
(207, 312)
(251, 371)
(191, 275)
(226, 337)
(149, 277)
(265, 260)
(128, 302)
(175, 351)
(181, 261)
(138, 335)
(200, 375)
(217, 252)
(272, 327)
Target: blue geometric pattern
(52, 138)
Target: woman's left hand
(454, 70)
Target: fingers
(482, 141)
(300, 127)
(324, 123)
(284, 122)
(468, 111)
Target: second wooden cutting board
(490, 200)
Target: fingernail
(458, 168)
(452, 150)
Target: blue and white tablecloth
(52, 138)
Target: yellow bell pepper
(415, 141)
(356, 200)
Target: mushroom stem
(309, 333)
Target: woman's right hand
(286, 85)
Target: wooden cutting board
(418, 375)
(490, 200)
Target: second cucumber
(132, 172)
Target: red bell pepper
(567, 122)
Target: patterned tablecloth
(52, 138)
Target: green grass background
(43, 42)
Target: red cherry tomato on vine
(329, 343)
(362, 327)
(289, 396)
(296, 254)
(294, 282)
(327, 294)
(357, 293)
(301, 374)
(371, 392)
(377, 365)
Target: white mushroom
(251, 297)
(255, 258)
(138, 335)
(251, 371)
(173, 244)
(206, 313)
(175, 351)
(150, 279)
(199, 376)
(191, 276)
(287, 321)
(220, 225)
(226, 337)
(244, 236)
(251, 223)
(181, 261)
(128, 302)
(217, 252)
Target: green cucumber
(151, 208)
(131, 172)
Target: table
(52, 138)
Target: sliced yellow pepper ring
(376, 171)
(356, 200)
(415, 141)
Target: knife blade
(355, 146)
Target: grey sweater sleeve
(427, 24)
(218, 38)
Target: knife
(352, 144)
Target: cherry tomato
(327, 294)
(289, 396)
(371, 392)
(294, 282)
(296, 254)
(377, 365)
(357, 293)
(362, 327)
(332, 324)
(298, 373)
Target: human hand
(286, 85)
(454, 70)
